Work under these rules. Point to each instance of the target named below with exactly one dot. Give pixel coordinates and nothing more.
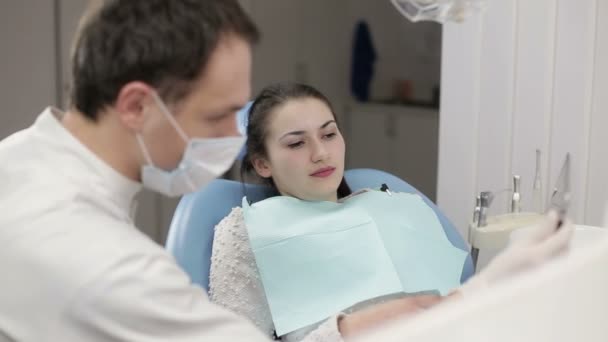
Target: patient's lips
(324, 172)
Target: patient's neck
(332, 197)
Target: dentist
(155, 87)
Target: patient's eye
(330, 135)
(295, 144)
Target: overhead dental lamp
(441, 11)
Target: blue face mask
(319, 258)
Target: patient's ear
(262, 167)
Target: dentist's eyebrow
(302, 132)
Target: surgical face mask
(438, 10)
(203, 160)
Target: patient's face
(305, 151)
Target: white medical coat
(74, 267)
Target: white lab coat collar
(107, 182)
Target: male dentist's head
(156, 99)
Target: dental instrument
(560, 198)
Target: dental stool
(190, 238)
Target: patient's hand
(370, 317)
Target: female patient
(295, 145)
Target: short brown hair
(165, 43)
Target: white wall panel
(533, 97)
(541, 83)
(458, 124)
(497, 64)
(597, 176)
(575, 34)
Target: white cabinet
(401, 140)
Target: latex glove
(531, 250)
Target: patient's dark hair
(269, 99)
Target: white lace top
(235, 284)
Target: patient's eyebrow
(302, 132)
(327, 123)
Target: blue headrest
(242, 117)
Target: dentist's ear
(131, 103)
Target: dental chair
(190, 238)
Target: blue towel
(362, 68)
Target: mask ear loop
(169, 117)
(144, 150)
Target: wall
(525, 75)
(300, 43)
(311, 42)
(27, 62)
(405, 50)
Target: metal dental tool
(477, 211)
(484, 200)
(537, 187)
(516, 197)
(487, 197)
(560, 197)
